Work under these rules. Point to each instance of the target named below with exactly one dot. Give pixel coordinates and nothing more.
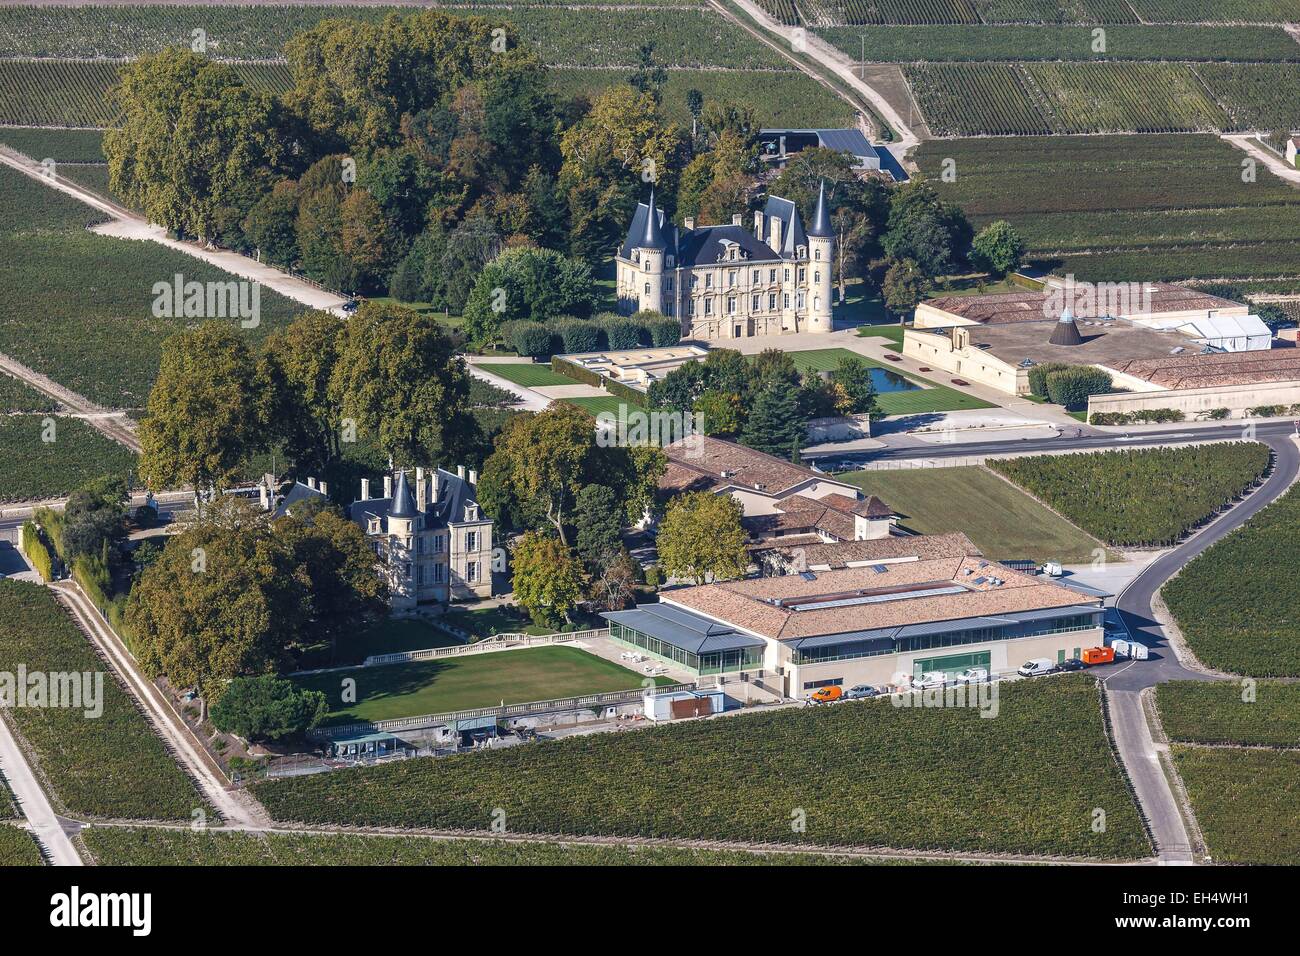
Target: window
(771, 275)
(829, 682)
(754, 303)
(785, 301)
(668, 309)
(787, 275)
(471, 540)
(817, 276)
(694, 281)
(803, 273)
(798, 304)
(437, 574)
(419, 546)
(690, 307)
(817, 254)
(419, 574)
(708, 306)
(771, 302)
(670, 261)
(471, 571)
(755, 277)
(731, 305)
(670, 285)
(731, 278)
(647, 288)
(708, 280)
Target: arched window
(817, 254)
(817, 277)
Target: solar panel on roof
(879, 568)
(807, 575)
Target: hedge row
(579, 374)
(37, 553)
(1147, 416)
(568, 335)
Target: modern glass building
(692, 641)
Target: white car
(926, 681)
(973, 675)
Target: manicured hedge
(38, 555)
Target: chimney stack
(435, 483)
(689, 223)
(473, 477)
(758, 226)
(388, 486)
(776, 233)
(421, 490)
(264, 496)
(365, 489)
(735, 219)
(460, 472)
(324, 490)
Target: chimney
(758, 226)
(324, 490)
(689, 223)
(264, 496)
(471, 511)
(735, 219)
(782, 151)
(388, 486)
(365, 489)
(460, 472)
(435, 482)
(421, 490)
(776, 233)
(473, 477)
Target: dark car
(960, 381)
(1071, 664)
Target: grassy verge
(527, 374)
(116, 846)
(1002, 521)
(474, 680)
(1264, 713)
(112, 765)
(864, 774)
(1245, 802)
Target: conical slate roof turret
(821, 220)
(403, 501)
(653, 237)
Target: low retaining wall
(1195, 403)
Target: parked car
(824, 695)
(861, 692)
(973, 675)
(1071, 664)
(351, 305)
(960, 381)
(1036, 667)
(926, 681)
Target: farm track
(111, 424)
(239, 808)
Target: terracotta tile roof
(816, 553)
(709, 459)
(832, 514)
(1195, 370)
(1007, 307)
(754, 603)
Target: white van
(1039, 665)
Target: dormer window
(803, 252)
(671, 258)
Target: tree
(398, 378)
(649, 76)
(701, 538)
(267, 708)
(925, 229)
(224, 600)
(527, 283)
(194, 146)
(271, 224)
(719, 412)
(297, 363)
(613, 584)
(95, 516)
(599, 523)
(542, 461)
(904, 287)
(774, 424)
(852, 378)
(344, 586)
(206, 411)
(997, 249)
(548, 580)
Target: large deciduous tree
(548, 579)
(701, 538)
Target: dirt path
(114, 425)
(125, 224)
(238, 807)
(1276, 165)
(33, 803)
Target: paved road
(1125, 682)
(45, 824)
(1083, 439)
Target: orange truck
(1099, 655)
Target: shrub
(622, 333)
(1216, 414)
(1110, 418)
(1266, 411)
(37, 553)
(1071, 386)
(1158, 415)
(664, 332)
(577, 335)
(529, 338)
(267, 707)
(1038, 376)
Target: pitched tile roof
(914, 592)
(816, 554)
(1194, 370)
(699, 463)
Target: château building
(729, 282)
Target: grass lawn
(1245, 802)
(425, 308)
(863, 773)
(860, 305)
(487, 621)
(475, 680)
(893, 332)
(932, 397)
(527, 374)
(1002, 521)
(593, 405)
(384, 637)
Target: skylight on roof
(858, 599)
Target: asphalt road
(1067, 441)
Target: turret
(403, 515)
(650, 249)
(821, 260)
